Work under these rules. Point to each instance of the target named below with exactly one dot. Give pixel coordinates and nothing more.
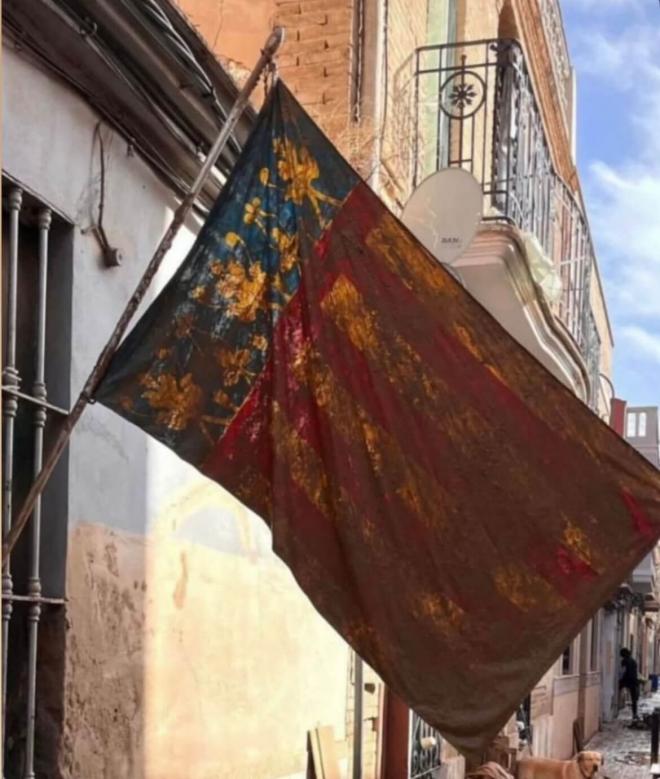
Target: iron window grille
(36, 299)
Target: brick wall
(318, 63)
(316, 60)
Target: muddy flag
(449, 507)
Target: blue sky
(615, 48)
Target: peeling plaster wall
(190, 650)
(184, 661)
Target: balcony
(643, 578)
(472, 105)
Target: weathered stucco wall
(184, 661)
(565, 712)
(592, 709)
(190, 650)
(233, 28)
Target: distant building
(643, 431)
(630, 618)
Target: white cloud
(606, 6)
(618, 53)
(624, 196)
(625, 219)
(624, 59)
(645, 343)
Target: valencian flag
(448, 506)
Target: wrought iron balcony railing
(473, 106)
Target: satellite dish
(444, 212)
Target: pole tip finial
(275, 40)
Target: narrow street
(626, 750)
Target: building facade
(150, 631)
(167, 638)
(630, 618)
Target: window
(594, 643)
(641, 424)
(567, 661)
(636, 424)
(36, 286)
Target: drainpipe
(372, 97)
(373, 101)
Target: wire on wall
(111, 256)
(356, 113)
(386, 75)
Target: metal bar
(36, 401)
(34, 579)
(417, 122)
(486, 134)
(508, 129)
(458, 45)
(357, 717)
(10, 407)
(98, 371)
(461, 109)
(32, 599)
(439, 121)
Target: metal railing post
(11, 379)
(357, 717)
(34, 580)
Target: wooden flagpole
(98, 371)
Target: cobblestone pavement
(627, 751)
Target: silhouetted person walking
(628, 679)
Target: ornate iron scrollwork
(475, 108)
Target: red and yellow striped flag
(448, 506)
